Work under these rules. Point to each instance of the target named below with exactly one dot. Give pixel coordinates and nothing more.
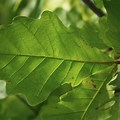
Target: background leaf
(113, 19)
(12, 108)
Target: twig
(96, 10)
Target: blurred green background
(71, 12)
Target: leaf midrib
(65, 59)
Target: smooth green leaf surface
(115, 109)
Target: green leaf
(88, 101)
(93, 38)
(13, 109)
(113, 34)
(115, 111)
(36, 56)
(98, 3)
